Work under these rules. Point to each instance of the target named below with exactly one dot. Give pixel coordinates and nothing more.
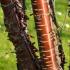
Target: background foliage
(8, 59)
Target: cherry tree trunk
(46, 24)
(15, 23)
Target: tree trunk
(16, 26)
(59, 48)
(46, 24)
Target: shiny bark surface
(45, 34)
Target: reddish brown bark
(45, 34)
(59, 47)
(16, 26)
(15, 22)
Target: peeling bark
(15, 23)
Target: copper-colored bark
(58, 44)
(45, 34)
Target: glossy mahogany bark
(45, 34)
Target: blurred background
(8, 59)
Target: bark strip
(45, 34)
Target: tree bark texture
(46, 25)
(15, 23)
(59, 47)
